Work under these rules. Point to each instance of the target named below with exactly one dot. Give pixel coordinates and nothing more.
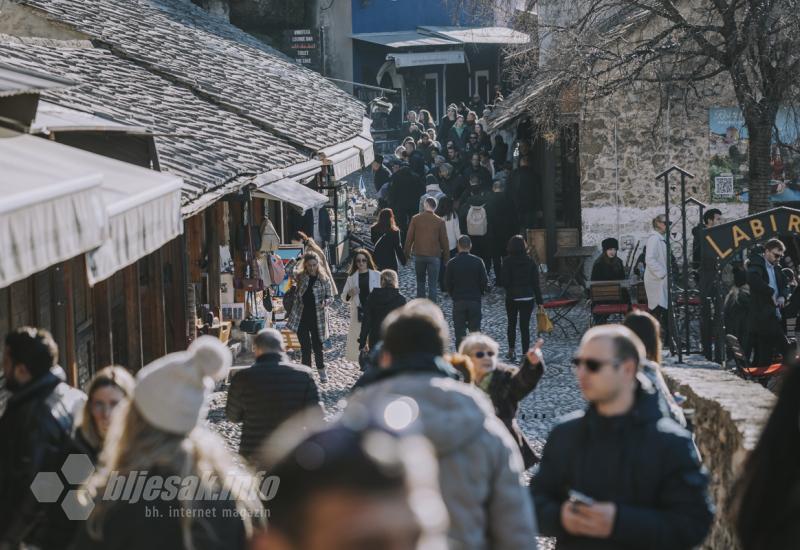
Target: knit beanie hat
(610, 243)
(171, 391)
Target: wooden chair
(606, 300)
(762, 375)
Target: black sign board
(303, 46)
(724, 240)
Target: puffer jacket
(642, 461)
(380, 303)
(520, 278)
(479, 464)
(36, 434)
(265, 395)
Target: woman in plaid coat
(309, 316)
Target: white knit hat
(171, 391)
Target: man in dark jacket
(405, 189)
(465, 280)
(380, 173)
(269, 392)
(525, 191)
(35, 431)
(480, 197)
(768, 295)
(475, 168)
(502, 226)
(638, 479)
(380, 303)
(707, 272)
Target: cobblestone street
(557, 393)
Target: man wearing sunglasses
(620, 474)
(768, 294)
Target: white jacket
(655, 274)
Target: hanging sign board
(726, 239)
(303, 46)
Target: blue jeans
(427, 267)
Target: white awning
(138, 210)
(418, 59)
(402, 39)
(477, 35)
(52, 117)
(289, 190)
(352, 155)
(50, 212)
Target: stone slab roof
(182, 42)
(213, 150)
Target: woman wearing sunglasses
(364, 278)
(505, 385)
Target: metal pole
(685, 266)
(668, 330)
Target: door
(432, 94)
(481, 86)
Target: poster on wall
(729, 148)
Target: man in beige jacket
(427, 239)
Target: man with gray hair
(620, 474)
(264, 395)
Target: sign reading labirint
(303, 46)
(724, 240)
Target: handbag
(543, 322)
(267, 300)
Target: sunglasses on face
(592, 365)
(482, 354)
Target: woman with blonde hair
(310, 245)
(309, 316)
(109, 388)
(363, 278)
(165, 480)
(505, 385)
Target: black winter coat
(405, 190)
(380, 177)
(507, 387)
(380, 303)
(504, 221)
(519, 276)
(387, 249)
(36, 434)
(525, 190)
(157, 524)
(762, 304)
(608, 269)
(263, 396)
(643, 462)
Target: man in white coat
(655, 274)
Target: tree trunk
(759, 128)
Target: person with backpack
(466, 281)
(475, 217)
(427, 239)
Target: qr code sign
(723, 186)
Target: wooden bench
(607, 299)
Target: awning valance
(289, 190)
(135, 211)
(352, 155)
(49, 212)
(418, 59)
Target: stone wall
(728, 417)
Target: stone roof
(213, 150)
(183, 43)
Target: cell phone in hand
(576, 497)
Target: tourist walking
(503, 225)
(620, 474)
(479, 463)
(520, 279)
(405, 189)
(363, 278)
(267, 393)
(446, 211)
(381, 302)
(655, 273)
(476, 218)
(505, 385)
(36, 433)
(380, 173)
(766, 497)
(161, 435)
(309, 316)
(386, 237)
(768, 295)
(466, 281)
(109, 388)
(427, 241)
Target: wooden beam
(70, 364)
(154, 343)
(214, 232)
(174, 294)
(101, 314)
(133, 319)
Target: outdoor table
(576, 255)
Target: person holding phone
(620, 474)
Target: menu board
(303, 46)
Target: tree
(674, 45)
